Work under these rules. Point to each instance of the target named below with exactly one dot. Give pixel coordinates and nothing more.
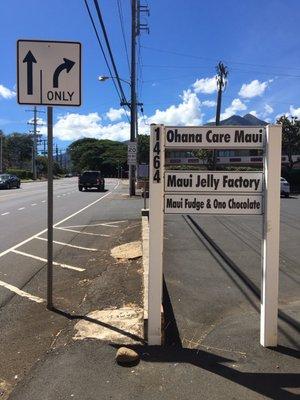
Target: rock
(127, 356)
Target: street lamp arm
(103, 78)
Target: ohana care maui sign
(216, 193)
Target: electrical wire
(121, 18)
(109, 50)
(104, 56)
(212, 59)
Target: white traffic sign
(49, 73)
(215, 137)
(206, 181)
(132, 153)
(213, 204)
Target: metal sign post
(50, 210)
(216, 192)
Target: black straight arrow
(67, 65)
(29, 59)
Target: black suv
(8, 181)
(91, 179)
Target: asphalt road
(205, 292)
(23, 215)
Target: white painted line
(21, 208)
(43, 201)
(33, 204)
(45, 260)
(83, 233)
(109, 224)
(84, 208)
(6, 213)
(68, 244)
(57, 223)
(20, 292)
(58, 197)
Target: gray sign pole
(50, 209)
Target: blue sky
(259, 41)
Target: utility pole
(222, 73)
(136, 28)
(133, 91)
(34, 141)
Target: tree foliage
(94, 154)
(290, 137)
(143, 149)
(17, 150)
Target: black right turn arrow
(29, 59)
(67, 65)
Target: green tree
(207, 156)
(143, 149)
(93, 154)
(17, 149)
(290, 137)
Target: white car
(284, 187)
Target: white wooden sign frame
(271, 224)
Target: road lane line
(83, 233)
(6, 213)
(45, 260)
(109, 224)
(57, 223)
(33, 204)
(21, 293)
(21, 208)
(68, 244)
(43, 201)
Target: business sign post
(210, 192)
(49, 74)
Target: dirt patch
(122, 326)
(127, 251)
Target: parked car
(91, 179)
(284, 187)
(8, 181)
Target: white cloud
(295, 112)
(76, 126)
(205, 85)
(6, 93)
(236, 105)
(254, 88)
(253, 112)
(115, 114)
(188, 112)
(268, 109)
(208, 103)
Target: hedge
(20, 173)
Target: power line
(119, 4)
(121, 97)
(109, 50)
(101, 47)
(213, 59)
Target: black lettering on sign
(156, 156)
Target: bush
(20, 173)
